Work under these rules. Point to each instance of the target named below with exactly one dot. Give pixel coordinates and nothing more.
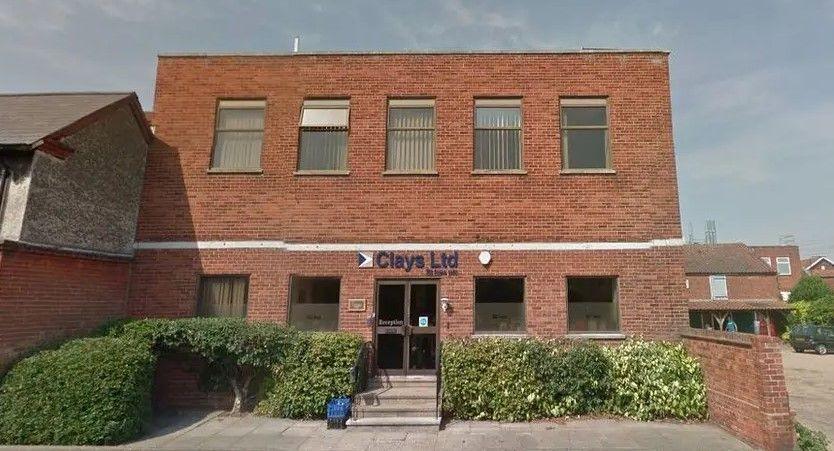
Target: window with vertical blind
(498, 135)
(323, 136)
(718, 287)
(239, 133)
(223, 296)
(410, 136)
(585, 134)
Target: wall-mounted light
(484, 257)
(445, 304)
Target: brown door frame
(407, 329)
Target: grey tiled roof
(729, 258)
(26, 118)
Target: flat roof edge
(410, 52)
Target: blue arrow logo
(365, 259)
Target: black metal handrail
(359, 373)
(438, 409)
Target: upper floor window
(783, 266)
(410, 136)
(767, 261)
(718, 287)
(239, 135)
(585, 134)
(497, 135)
(223, 296)
(324, 135)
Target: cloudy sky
(752, 81)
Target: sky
(752, 81)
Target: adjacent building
(411, 197)
(71, 171)
(820, 266)
(748, 284)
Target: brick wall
(746, 388)
(181, 201)
(47, 296)
(651, 302)
(176, 385)
(740, 286)
(786, 283)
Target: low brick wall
(746, 388)
(47, 296)
(176, 385)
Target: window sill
(596, 335)
(417, 173)
(500, 335)
(326, 172)
(587, 171)
(502, 172)
(235, 171)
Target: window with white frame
(783, 266)
(585, 134)
(497, 135)
(323, 139)
(410, 136)
(239, 134)
(718, 287)
(767, 261)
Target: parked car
(809, 336)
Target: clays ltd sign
(433, 263)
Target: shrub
(819, 312)
(656, 380)
(511, 380)
(809, 439)
(316, 368)
(810, 288)
(92, 391)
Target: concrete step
(429, 423)
(402, 381)
(395, 411)
(397, 404)
(380, 395)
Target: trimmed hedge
(656, 380)
(512, 380)
(316, 368)
(516, 380)
(93, 391)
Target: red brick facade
(620, 212)
(739, 286)
(785, 282)
(824, 269)
(746, 388)
(64, 295)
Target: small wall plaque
(356, 305)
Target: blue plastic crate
(338, 407)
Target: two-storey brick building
(411, 197)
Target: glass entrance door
(406, 327)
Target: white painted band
(357, 247)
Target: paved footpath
(810, 380)
(220, 432)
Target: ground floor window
(592, 304)
(223, 296)
(314, 303)
(499, 304)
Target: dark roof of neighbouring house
(725, 258)
(26, 119)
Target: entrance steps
(397, 401)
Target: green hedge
(513, 380)
(93, 391)
(316, 368)
(656, 380)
